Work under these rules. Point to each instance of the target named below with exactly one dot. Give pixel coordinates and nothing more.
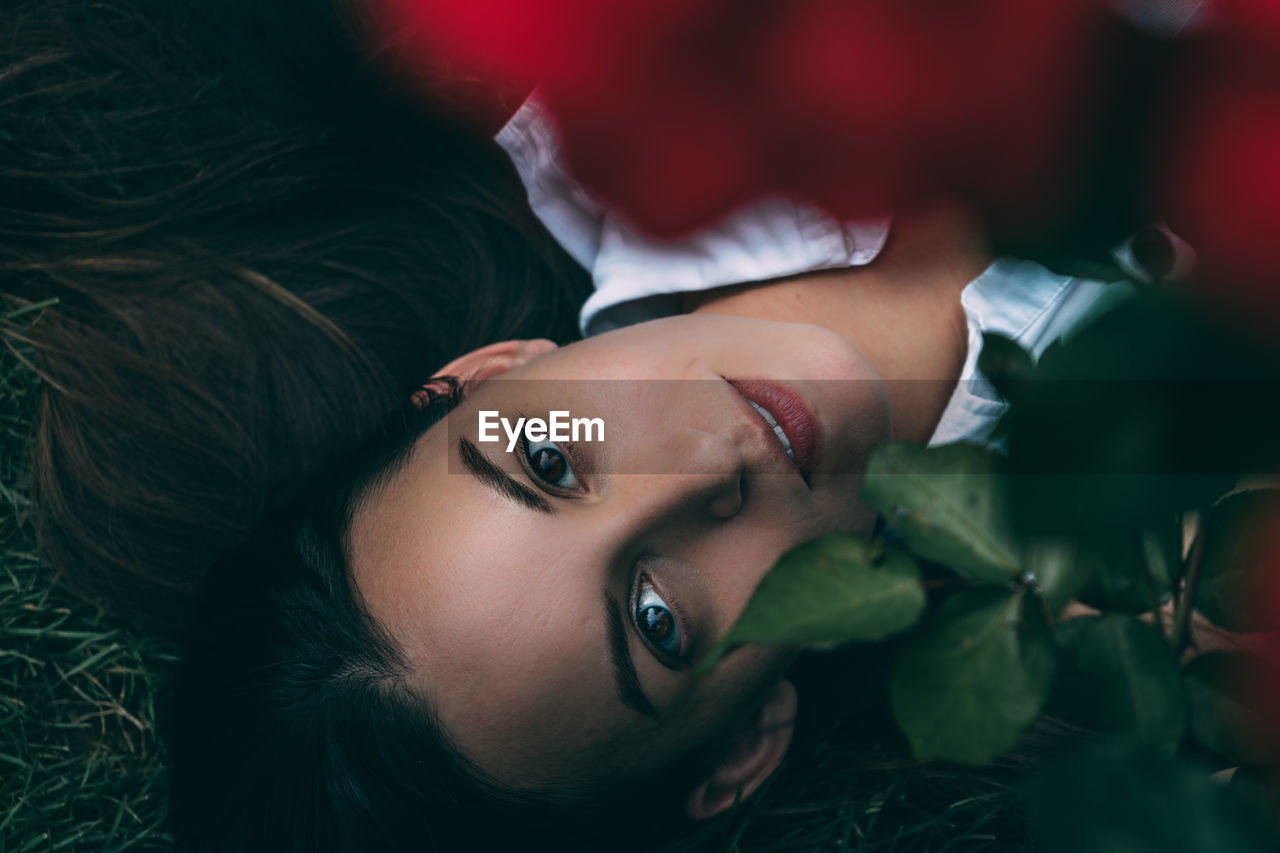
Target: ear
(481, 364)
(494, 359)
(757, 750)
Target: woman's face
(553, 599)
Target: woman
(527, 613)
(474, 644)
(361, 675)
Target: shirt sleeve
(572, 217)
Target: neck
(902, 311)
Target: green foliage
(833, 590)
(1122, 798)
(1119, 675)
(966, 687)
(1134, 574)
(1222, 690)
(1058, 569)
(1150, 409)
(1106, 458)
(1235, 559)
(948, 505)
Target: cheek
(524, 698)
(730, 562)
(729, 697)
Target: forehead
(499, 614)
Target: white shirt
(638, 278)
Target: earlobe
(488, 361)
(756, 753)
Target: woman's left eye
(550, 464)
(657, 621)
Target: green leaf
(1161, 547)
(967, 688)
(1119, 674)
(1239, 531)
(1122, 798)
(1223, 693)
(949, 505)
(834, 590)
(1005, 364)
(1133, 572)
(1058, 569)
(1149, 409)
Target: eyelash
(666, 658)
(568, 451)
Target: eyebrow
(624, 668)
(483, 469)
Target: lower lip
(789, 410)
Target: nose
(703, 475)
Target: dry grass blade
(80, 766)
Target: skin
(500, 607)
(902, 311)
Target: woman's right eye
(657, 621)
(547, 462)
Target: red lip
(789, 410)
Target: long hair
(257, 247)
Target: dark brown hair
(257, 247)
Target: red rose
(1221, 181)
(677, 111)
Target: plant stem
(1180, 633)
(1148, 580)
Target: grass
(821, 805)
(82, 768)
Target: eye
(547, 462)
(657, 621)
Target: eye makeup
(573, 458)
(662, 624)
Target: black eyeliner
(522, 446)
(675, 663)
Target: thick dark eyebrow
(483, 469)
(624, 668)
